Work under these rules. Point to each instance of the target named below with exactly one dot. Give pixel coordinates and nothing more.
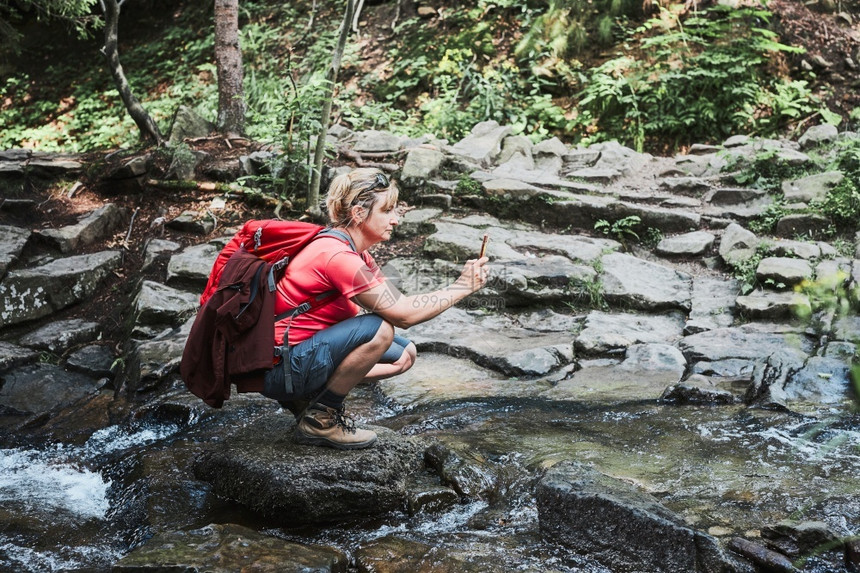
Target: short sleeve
(350, 275)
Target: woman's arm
(405, 311)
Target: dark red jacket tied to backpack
(232, 338)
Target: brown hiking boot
(324, 426)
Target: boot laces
(344, 420)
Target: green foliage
(766, 221)
(622, 229)
(513, 61)
(700, 80)
(767, 170)
(468, 186)
(744, 270)
(76, 14)
(652, 237)
(842, 204)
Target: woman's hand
(474, 275)
(405, 311)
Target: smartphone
(484, 246)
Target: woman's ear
(358, 214)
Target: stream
(726, 470)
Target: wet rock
(37, 292)
(95, 361)
(540, 280)
(697, 389)
(631, 282)
(157, 247)
(821, 380)
(149, 363)
(771, 376)
(262, 468)
(12, 241)
(469, 476)
(392, 554)
(797, 538)
(762, 557)
(42, 387)
(643, 374)
(734, 369)
(227, 548)
(620, 526)
(92, 227)
(426, 495)
(605, 332)
(852, 554)
(12, 356)
(57, 337)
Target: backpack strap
(314, 302)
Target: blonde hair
(364, 187)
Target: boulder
(227, 548)
(92, 227)
(632, 282)
(37, 292)
(484, 142)
(621, 527)
(12, 241)
(263, 469)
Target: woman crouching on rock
(335, 346)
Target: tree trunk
(331, 77)
(228, 62)
(145, 123)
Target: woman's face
(380, 222)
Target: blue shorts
(313, 361)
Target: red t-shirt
(326, 264)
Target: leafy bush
(700, 80)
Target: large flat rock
(262, 468)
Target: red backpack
(269, 239)
(232, 338)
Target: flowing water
(725, 470)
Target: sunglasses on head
(380, 182)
